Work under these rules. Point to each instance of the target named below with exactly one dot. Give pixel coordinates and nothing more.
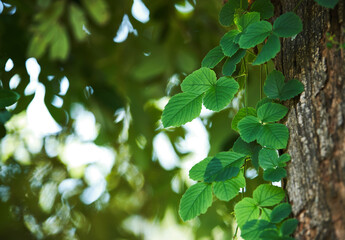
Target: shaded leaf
(245, 20)
(268, 51)
(274, 174)
(280, 212)
(287, 25)
(327, 3)
(8, 97)
(227, 43)
(252, 229)
(268, 158)
(229, 66)
(226, 15)
(213, 57)
(266, 214)
(250, 149)
(288, 226)
(243, 112)
(264, 7)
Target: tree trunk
(316, 174)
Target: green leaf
(287, 25)
(266, 214)
(267, 195)
(196, 200)
(182, 108)
(288, 226)
(327, 3)
(262, 102)
(250, 149)
(59, 47)
(271, 112)
(243, 112)
(223, 166)
(273, 135)
(199, 81)
(283, 159)
(291, 89)
(255, 34)
(264, 7)
(268, 158)
(227, 43)
(98, 10)
(8, 97)
(229, 66)
(213, 57)
(269, 50)
(249, 128)
(245, 210)
(252, 229)
(197, 172)
(226, 15)
(274, 174)
(221, 94)
(229, 189)
(77, 20)
(270, 234)
(245, 20)
(4, 115)
(280, 212)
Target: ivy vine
(263, 216)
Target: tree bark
(316, 174)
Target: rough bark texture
(316, 179)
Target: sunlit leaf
(182, 108)
(267, 195)
(98, 10)
(199, 81)
(196, 200)
(245, 20)
(220, 94)
(273, 135)
(255, 34)
(271, 112)
(249, 128)
(274, 174)
(245, 210)
(197, 172)
(229, 189)
(77, 20)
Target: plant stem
(260, 82)
(235, 235)
(299, 3)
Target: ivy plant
(262, 135)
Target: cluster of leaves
(223, 175)
(260, 217)
(50, 32)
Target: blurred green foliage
(75, 39)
